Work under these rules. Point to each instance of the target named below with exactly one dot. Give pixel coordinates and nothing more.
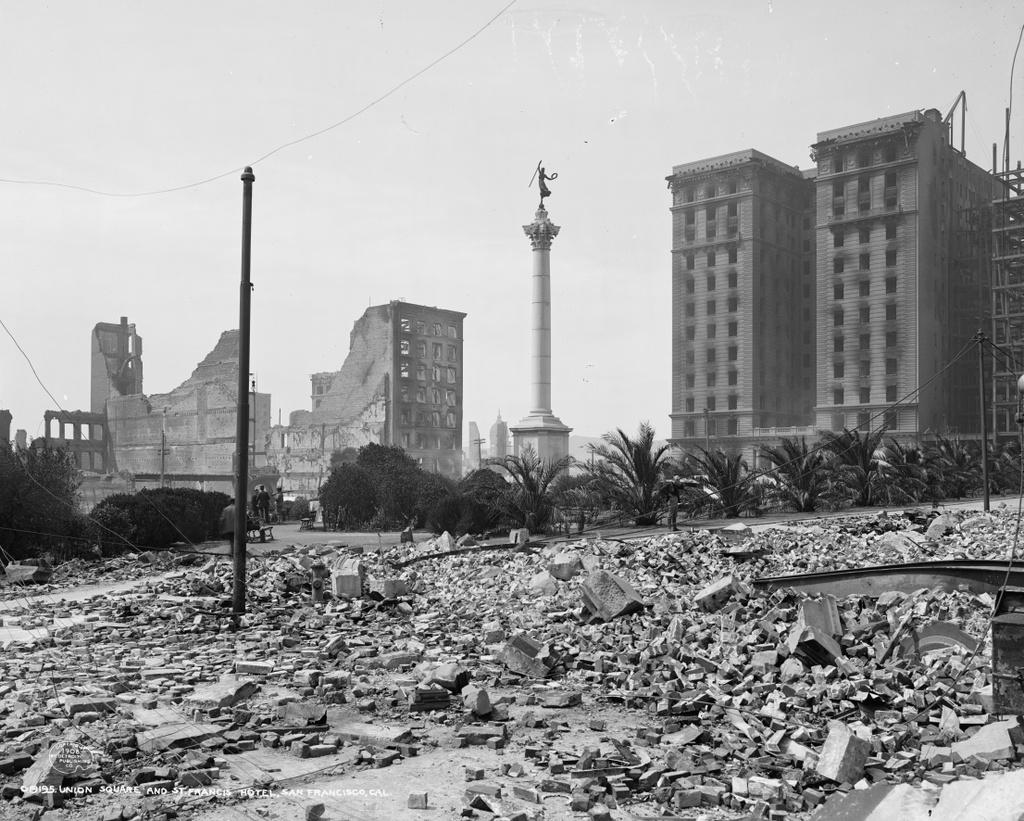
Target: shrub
(349, 491)
(159, 517)
(299, 508)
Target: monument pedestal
(544, 433)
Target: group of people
(261, 504)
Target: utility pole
(980, 339)
(707, 431)
(242, 416)
(163, 445)
(479, 451)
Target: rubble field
(588, 679)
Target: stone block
(940, 526)
(608, 596)
(519, 536)
(476, 700)
(843, 756)
(815, 646)
(452, 677)
(393, 588)
(715, 595)
(992, 742)
(543, 584)
(565, 565)
(348, 579)
(222, 694)
(522, 654)
(417, 800)
(253, 668)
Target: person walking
(672, 490)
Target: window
(712, 427)
(732, 401)
(733, 353)
(406, 325)
(837, 396)
(691, 285)
(711, 259)
(890, 259)
(837, 265)
(403, 369)
(837, 290)
(453, 353)
(451, 375)
(405, 441)
(690, 357)
(404, 393)
(689, 309)
(865, 262)
(689, 263)
(890, 339)
(436, 349)
(892, 420)
(691, 332)
(733, 428)
(452, 332)
(838, 370)
(837, 317)
(890, 312)
(435, 396)
(688, 427)
(838, 421)
(732, 260)
(891, 192)
(421, 328)
(689, 404)
(710, 405)
(733, 377)
(865, 342)
(890, 230)
(691, 380)
(405, 348)
(807, 291)
(435, 419)
(864, 235)
(864, 420)
(890, 366)
(712, 379)
(711, 282)
(838, 239)
(733, 328)
(865, 287)
(865, 315)
(890, 393)
(711, 331)
(890, 153)
(450, 398)
(865, 367)
(733, 304)
(710, 355)
(733, 279)
(435, 374)
(437, 329)
(837, 344)
(711, 307)
(404, 416)
(421, 349)
(421, 395)
(863, 195)
(449, 420)
(865, 395)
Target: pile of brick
(739, 703)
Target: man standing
(264, 504)
(672, 490)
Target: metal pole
(707, 431)
(980, 337)
(242, 420)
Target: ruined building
(401, 384)
(821, 300)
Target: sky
(393, 144)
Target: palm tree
(959, 466)
(903, 473)
(1006, 467)
(726, 486)
(855, 457)
(529, 500)
(628, 472)
(801, 479)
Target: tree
(903, 476)
(529, 500)
(344, 456)
(628, 472)
(857, 466)
(1005, 473)
(959, 466)
(801, 477)
(395, 477)
(349, 493)
(38, 500)
(725, 486)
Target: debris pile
(647, 674)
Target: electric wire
(283, 146)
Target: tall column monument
(541, 429)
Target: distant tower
(499, 439)
(116, 362)
(541, 429)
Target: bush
(299, 508)
(159, 517)
(348, 494)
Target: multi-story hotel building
(841, 291)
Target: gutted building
(401, 384)
(903, 254)
(743, 288)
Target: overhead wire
(283, 146)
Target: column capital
(541, 231)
